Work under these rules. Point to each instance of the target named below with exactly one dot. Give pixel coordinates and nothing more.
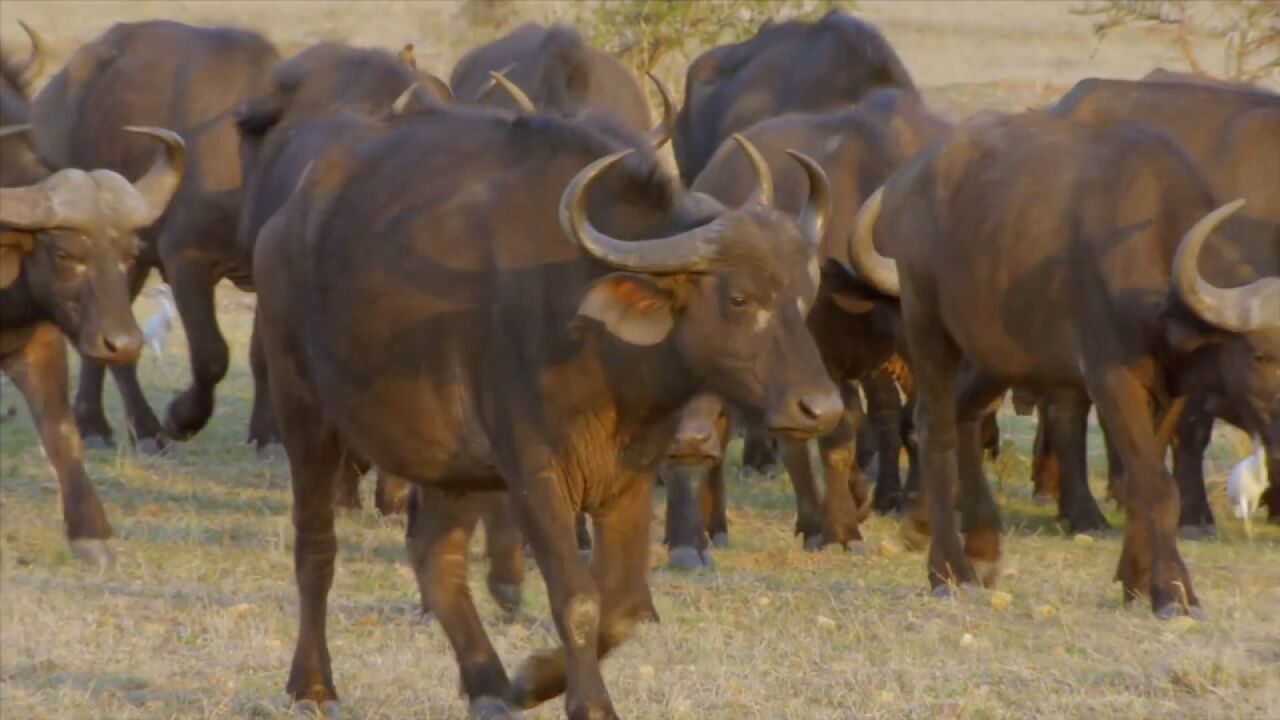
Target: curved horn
(817, 208)
(690, 251)
(438, 85)
(763, 195)
(522, 101)
(161, 181)
(34, 65)
(877, 270)
(661, 133)
(1243, 309)
(406, 56)
(397, 107)
(8, 130)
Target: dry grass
(197, 620)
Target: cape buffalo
(67, 243)
(1221, 126)
(855, 328)
(191, 80)
(421, 305)
(1030, 250)
(325, 95)
(793, 66)
(559, 73)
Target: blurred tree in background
(642, 32)
(1251, 29)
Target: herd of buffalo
(491, 291)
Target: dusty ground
(197, 621)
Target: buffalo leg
(884, 410)
(1066, 420)
(391, 493)
(262, 422)
(193, 282)
(979, 515)
(712, 504)
(795, 457)
(686, 536)
(91, 417)
(1194, 431)
(1046, 466)
(1149, 560)
(437, 540)
(937, 361)
(315, 457)
(144, 428)
(914, 527)
(846, 486)
(39, 371)
(504, 547)
(759, 453)
(589, 627)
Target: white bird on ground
(1247, 482)
(156, 328)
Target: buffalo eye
(737, 301)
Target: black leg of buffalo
(795, 457)
(1115, 469)
(713, 503)
(846, 486)
(937, 362)
(263, 431)
(759, 453)
(914, 527)
(1046, 480)
(91, 418)
(1067, 419)
(979, 515)
(438, 549)
(504, 546)
(39, 371)
(351, 471)
(144, 428)
(583, 535)
(193, 282)
(315, 454)
(1194, 431)
(575, 602)
(686, 536)
(884, 411)
(591, 628)
(390, 494)
(1149, 561)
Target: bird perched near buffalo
(157, 327)
(1247, 482)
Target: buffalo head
(72, 239)
(730, 294)
(1236, 331)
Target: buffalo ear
(14, 246)
(632, 307)
(1186, 335)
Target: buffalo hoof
(97, 442)
(330, 709)
(491, 708)
(720, 540)
(585, 555)
(509, 597)
(814, 543)
(943, 592)
(96, 553)
(426, 618)
(688, 558)
(272, 453)
(152, 445)
(1198, 532)
(1172, 610)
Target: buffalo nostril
(108, 345)
(822, 408)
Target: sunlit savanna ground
(198, 618)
